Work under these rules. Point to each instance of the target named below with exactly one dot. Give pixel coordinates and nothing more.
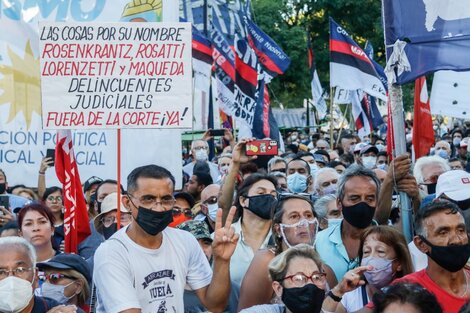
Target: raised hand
(45, 164)
(225, 238)
(239, 152)
(351, 280)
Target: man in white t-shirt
(145, 266)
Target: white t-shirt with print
(128, 275)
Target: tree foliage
(291, 22)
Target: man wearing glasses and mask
(146, 265)
(18, 278)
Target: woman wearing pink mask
(384, 256)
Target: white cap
(454, 184)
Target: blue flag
(274, 60)
(423, 36)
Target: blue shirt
(329, 245)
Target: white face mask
(212, 211)
(201, 155)
(15, 294)
(224, 169)
(55, 292)
(369, 161)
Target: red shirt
(448, 302)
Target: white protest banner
(115, 75)
(23, 143)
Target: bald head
(210, 191)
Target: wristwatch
(333, 296)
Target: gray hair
(21, 243)
(356, 170)
(321, 171)
(193, 143)
(274, 161)
(321, 206)
(277, 174)
(278, 266)
(445, 143)
(426, 161)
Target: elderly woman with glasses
(298, 279)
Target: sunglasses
(54, 278)
(178, 211)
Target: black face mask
(306, 299)
(98, 206)
(359, 215)
(451, 258)
(109, 231)
(153, 222)
(3, 187)
(262, 205)
(431, 188)
(464, 204)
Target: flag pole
(331, 117)
(396, 102)
(118, 213)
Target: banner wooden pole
(118, 213)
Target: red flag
(423, 133)
(76, 227)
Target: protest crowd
(311, 229)
(356, 218)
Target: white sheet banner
(115, 75)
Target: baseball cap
(186, 196)
(454, 184)
(90, 182)
(199, 229)
(369, 148)
(67, 261)
(320, 158)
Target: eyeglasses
(54, 278)
(56, 199)
(200, 148)
(109, 220)
(211, 200)
(282, 170)
(18, 272)
(166, 202)
(300, 279)
(178, 211)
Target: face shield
(304, 231)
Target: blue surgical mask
(382, 166)
(380, 147)
(313, 168)
(55, 292)
(212, 211)
(334, 221)
(443, 153)
(297, 182)
(330, 189)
